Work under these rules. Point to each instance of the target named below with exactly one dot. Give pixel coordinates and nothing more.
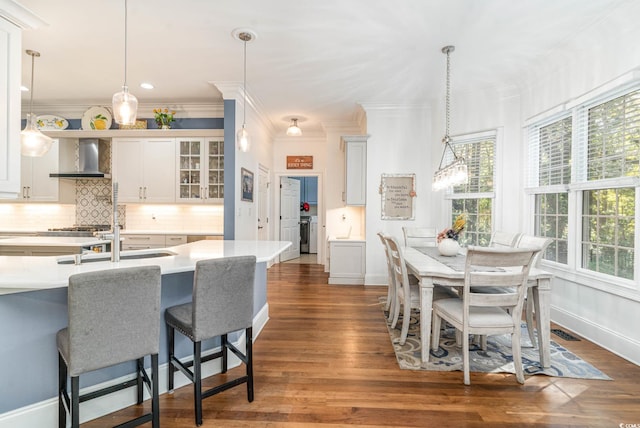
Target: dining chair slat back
(478, 313)
(419, 236)
(501, 239)
(391, 280)
(541, 243)
(404, 300)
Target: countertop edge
(31, 273)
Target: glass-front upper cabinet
(215, 171)
(200, 170)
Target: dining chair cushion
(490, 317)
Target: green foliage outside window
(608, 230)
(552, 221)
(614, 138)
(478, 228)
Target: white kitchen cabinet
(346, 261)
(200, 170)
(172, 240)
(36, 185)
(10, 66)
(142, 242)
(146, 241)
(144, 169)
(355, 180)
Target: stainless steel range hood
(88, 160)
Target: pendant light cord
(448, 94)
(447, 139)
(244, 87)
(33, 60)
(125, 42)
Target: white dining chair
(501, 239)
(488, 313)
(407, 289)
(540, 243)
(419, 236)
(389, 305)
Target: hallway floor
(304, 259)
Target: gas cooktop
(76, 231)
(83, 228)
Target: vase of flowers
(163, 117)
(448, 244)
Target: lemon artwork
(99, 122)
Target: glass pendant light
(125, 104)
(243, 142)
(294, 130)
(33, 142)
(456, 172)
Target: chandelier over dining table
(456, 171)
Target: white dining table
(430, 271)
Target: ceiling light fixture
(294, 130)
(125, 104)
(146, 85)
(33, 142)
(242, 137)
(456, 172)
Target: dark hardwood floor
(325, 359)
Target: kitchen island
(33, 307)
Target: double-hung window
(550, 147)
(585, 169)
(475, 198)
(610, 167)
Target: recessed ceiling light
(24, 89)
(146, 86)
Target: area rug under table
(497, 358)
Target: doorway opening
(308, 246)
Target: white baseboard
(613, 341)
(45, 413)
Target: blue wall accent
(230, 169)
(29, 322)
(186, 123)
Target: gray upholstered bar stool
(222, 303)
(114, 317)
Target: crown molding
(20, 15)
(236, 91)
(389, 106)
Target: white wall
(406, 140)
(260, 153)
(399, 143)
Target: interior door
(290, 217)
(263, 205)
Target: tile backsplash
(93, 203)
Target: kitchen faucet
(114, 235)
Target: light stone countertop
(23, 273)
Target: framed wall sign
(398, 191)
(299, 162)
(246, 178)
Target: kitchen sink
(125, 255)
